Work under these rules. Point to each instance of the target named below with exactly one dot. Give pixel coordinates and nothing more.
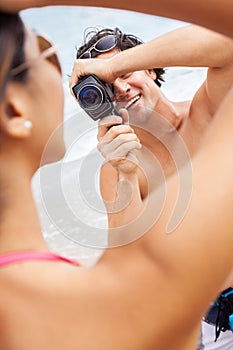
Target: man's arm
(119, 183)
(190, 46)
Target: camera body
(95, 97)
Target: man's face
(138, 93)
(135, 91)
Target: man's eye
(125, 76)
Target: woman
(127, 300)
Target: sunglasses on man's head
(48, 52)
(104, 44)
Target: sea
(66, 193)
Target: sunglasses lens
(44, 44)
(106, 43)
(85, 55)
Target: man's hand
(97, 66)
(118, 143)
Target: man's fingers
(123, 150)
(74, 75)
(106, 123)
(122, 138)
(120, 146)
(116, 131)
(79, 70)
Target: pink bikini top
(16, 257)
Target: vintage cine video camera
(95, 97)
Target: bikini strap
(11, 258)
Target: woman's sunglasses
(48, 52)
(104, 44)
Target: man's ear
(13, 122)
(152, 73)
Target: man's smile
(132, 101)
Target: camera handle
(114, 112)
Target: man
(189, 46)
(139, 92)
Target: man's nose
(121, 89)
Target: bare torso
(155, 160)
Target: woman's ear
(13, 122)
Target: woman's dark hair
(124, 42)
(12, 37)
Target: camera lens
(90, 97)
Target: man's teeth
(131, 102)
